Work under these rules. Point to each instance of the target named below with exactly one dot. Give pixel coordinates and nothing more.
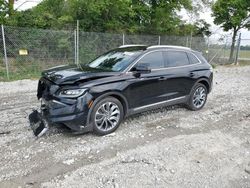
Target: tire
(198, 97)
(106, 116)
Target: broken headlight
(72, 93)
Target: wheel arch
(114, 94)
(205, 82)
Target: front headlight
(72, 93)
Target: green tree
(10, 7)
(163, 16)
(129, 16)
(6, 10)
(3, 10)
(200, 29)
(232, 15)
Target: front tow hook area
(38, 123)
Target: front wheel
(198, 97)
(107, 115)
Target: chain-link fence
(244, 51)
(29, 51)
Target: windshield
(116, 60)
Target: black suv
(124, 81)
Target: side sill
(178, 100)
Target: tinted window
(192, 59)
(152, 60)
(175, 59)
(116, 60)
(200, 56)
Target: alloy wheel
(199, 97)
(107, 116)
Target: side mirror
(141, 69)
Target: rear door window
(176, 58)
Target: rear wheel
(198, 97)
(107, 115)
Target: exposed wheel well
(205, 83)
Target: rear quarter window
(192, 59)
(176, 58)
(200, 56)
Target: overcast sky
(216, 30)
(25, 4)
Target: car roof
(157, 47)
(168, 46)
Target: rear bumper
(211, 82)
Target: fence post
(5, 53)
(123, 39)
(187, 42)
(159, 40)
(208, 50)
(238, 49)
(191, 39)
(77, 42)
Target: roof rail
(131, 45)
(169, 46)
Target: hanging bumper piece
(38, 123)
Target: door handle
(162, 78)
(191, 74)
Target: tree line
(128, 16)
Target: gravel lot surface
(169, 147)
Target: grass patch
(214, 65)
(24, 69)
(240, 63)
(243, 63)
(242, 53)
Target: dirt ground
(169, 147)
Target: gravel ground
(169, 147)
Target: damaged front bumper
(51, 113)
(73, 113)
(38, 123)
(70, 112)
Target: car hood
(69, 74)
